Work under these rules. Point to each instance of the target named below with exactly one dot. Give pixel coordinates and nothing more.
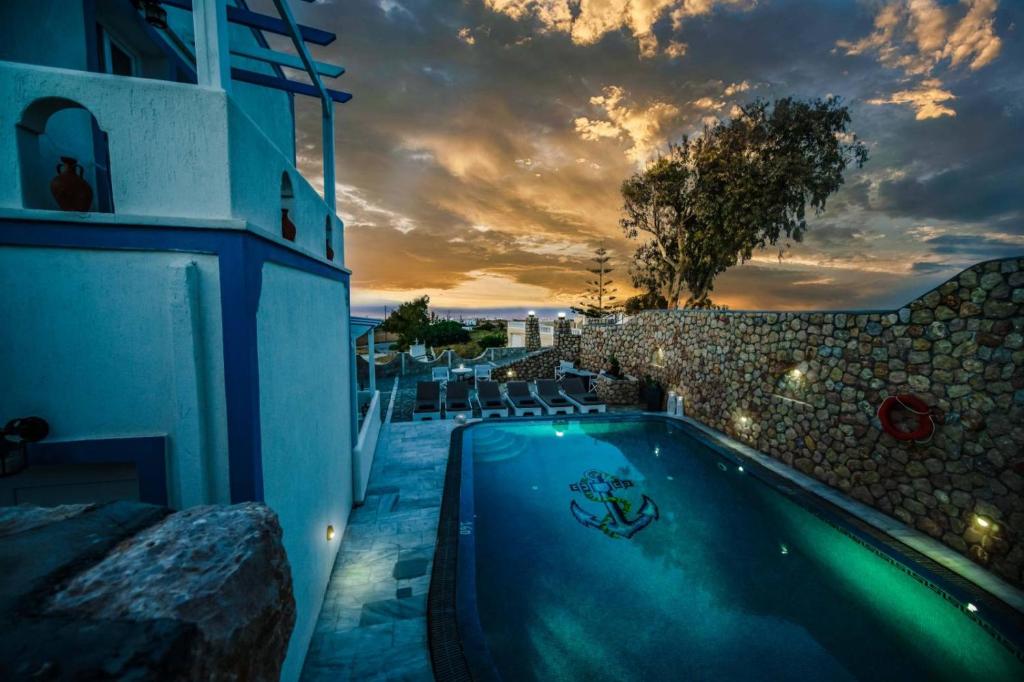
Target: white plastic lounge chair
(488, 397)
(481, 373)
(439, 374)
(563, 367)
(522, 401)
(418, 351)
(456, 401)
(549, 396)
(428, 401)
(585, 401)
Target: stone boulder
(133, 592)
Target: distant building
(174, 291)
(517, 333)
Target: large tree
(599, 298)
(742, 185)
(409, 321)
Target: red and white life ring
(911, 403)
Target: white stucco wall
(270, 109)
(255, 163)
(109, 344)
(168, 141)
(303, 346)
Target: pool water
(629, 550)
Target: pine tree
(599, 298)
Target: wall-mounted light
(330, 533)
(972, 608)
(561, 316)
(982, 522)
(532, 313)
(511, 372)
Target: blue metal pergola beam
(297, 87)
(264, 22)
(326, 100)
(283, 59)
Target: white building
(516, 330)
(186, 342)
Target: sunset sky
(481, 157)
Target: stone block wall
(617, 391)
(538, 365)
(805, 387)
(532, 332)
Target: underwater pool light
(559, 433)
(740, 468)
(783, 549)
(657, 451)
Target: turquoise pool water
(629, 550)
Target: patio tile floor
(372, 624)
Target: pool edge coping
(945, 556)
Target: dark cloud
(461, 162)
(975, 246)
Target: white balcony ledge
(179, 155)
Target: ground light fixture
(972, 608)
(330, 533)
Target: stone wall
(532, 332)
(617, 391)
(805, 387)
(538, 365)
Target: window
(114, 56)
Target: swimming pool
(634, 548)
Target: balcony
(179, 155)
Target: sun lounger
(439, 374)
(456, 400)
(585, 401)
(481, 373)
(549, 396)
(522, 401)
(428, 401)
(488, 396)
